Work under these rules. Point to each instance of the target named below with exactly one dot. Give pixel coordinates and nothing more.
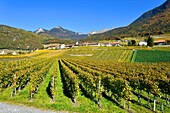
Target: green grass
(152, 56)
(134, 56)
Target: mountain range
(60, 32)
(153, 22)
(15, 38)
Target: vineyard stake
(162, 108)
(53, 87)
(124, 106)
(15, 84)
(99, 99)
(154, 108)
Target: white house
(77, 43)
(62, 46)
(3, 52)
(143, 43)
(14, 53)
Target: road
(10, 108)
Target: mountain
(48, 39)
(153, 22)
(14, 38)
(98, 32)
(61, 33)
(40, 30)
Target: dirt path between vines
(10, 108)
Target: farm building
(91, 44)
(68, 46)
(3, 52)
(142, 43)
(54, 46)
(61, 46)
(111, 44)
(14, 53)
(160, 42)
(77, 43)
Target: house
(106, 44)
(111, 44)
(3, 53)
(77, 43)
(68, 46)
(160, 42)
(54, 46)
(14, 53)
(91, 44)
(62, 46)
(143, 43)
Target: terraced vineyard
(76, 82)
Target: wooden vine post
(52, 84)
(14, 82)
(154, 107)
(99, 94)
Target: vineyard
(87, 79)
(100, 53)
(125, 81)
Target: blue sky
(77, 15)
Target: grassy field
(152, 56)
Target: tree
(150, 41)
(133, 42)
(168, 42)
(129, 43)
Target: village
(115, 43)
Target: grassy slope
(152, 56)
(14, 38)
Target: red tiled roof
(159, 41)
